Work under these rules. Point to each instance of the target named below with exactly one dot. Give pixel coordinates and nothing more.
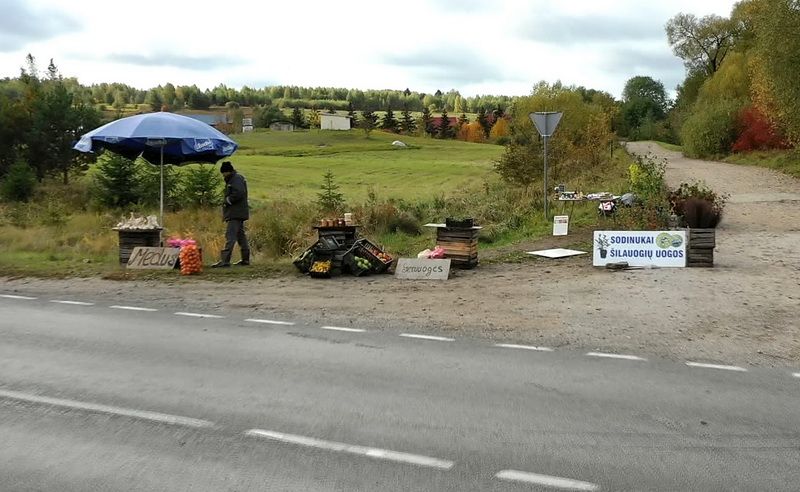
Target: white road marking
(384, 454)
(340, 328)
(546, 480)
(24, 298)
(525, 347)
(134, 308)
(797, 374)
(94, 407)
(198, 315)
(615, 356)
(270, 322)
(76, 303)
(427, 337)
(716, 366)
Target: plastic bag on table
(438, 252)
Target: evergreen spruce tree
(19, 183)
(298, 120)
(201, 186)
(462, 120)
(444, 130)
(369, 121)
(427, 121)
(330, 200)
(484, 121)
(407, 123)
(117, 181)
(351, 112)
(497, 113)
(389, 123)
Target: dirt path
(746, 310)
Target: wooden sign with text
(144, 258)
(422, 269)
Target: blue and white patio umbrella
(161, 138)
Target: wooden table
(460, 244)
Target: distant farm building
(334, 122)
(281, 126)
(214, 120)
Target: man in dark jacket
(235, 211)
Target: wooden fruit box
(700, 247)
(460, 244)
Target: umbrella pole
(162, 188)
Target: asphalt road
(101, 397)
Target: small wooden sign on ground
(144, 258)
(422, 269)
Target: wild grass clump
(651, 209)
(281, 228)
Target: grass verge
(669, 146)
(785, 161)
(70, 241)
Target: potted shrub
(602, 245)
(699, 209)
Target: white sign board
(422, 269)
(247, 121)
(560, 225)
(640, 248)
(144, 258)
(557, 253)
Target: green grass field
(669, 146)
(291, 165)
(55, 236)
(785, 161)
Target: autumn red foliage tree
(757, 132)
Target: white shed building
(329, 121)
(281, 126)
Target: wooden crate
(700, 247)
(460, 245)
(131, 238)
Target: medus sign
(640, 248)
(145, 258)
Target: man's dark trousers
(234, 233)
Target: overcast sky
(476, 47)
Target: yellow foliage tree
(580, 144)
(777, 46)
(471, 132)
(500, 129)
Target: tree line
(740, 91)
(171, 97)
(40, 120)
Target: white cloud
(476, 47)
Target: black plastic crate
(452, 222)
(326, 244)
(304, 261)
(369, 250)
(349, 261)
(321, 274)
